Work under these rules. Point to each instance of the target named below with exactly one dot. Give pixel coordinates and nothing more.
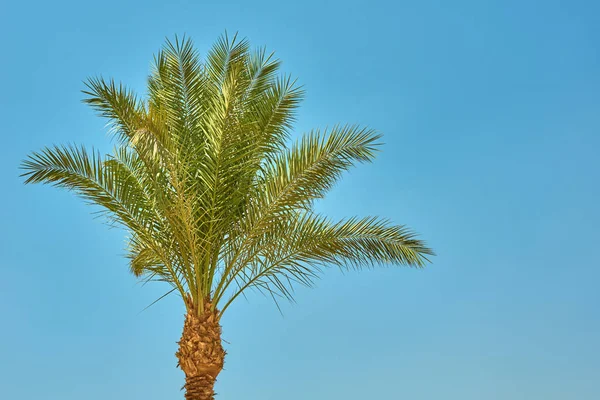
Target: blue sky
(491, 117)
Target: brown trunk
(200, 354)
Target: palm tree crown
(214, 198)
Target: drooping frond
(295, 249)
(96, 179)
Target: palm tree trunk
(200, 353)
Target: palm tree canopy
(215, 199)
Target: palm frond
(89, 176)
(296, 251)
(116, 103)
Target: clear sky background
(491, 117)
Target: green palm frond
(95, 178)
(313, 165)
(119, 105)
(295, 249)
(215, 200)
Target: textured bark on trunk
(200, 353)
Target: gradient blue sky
(491, 117)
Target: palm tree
(213, 197)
